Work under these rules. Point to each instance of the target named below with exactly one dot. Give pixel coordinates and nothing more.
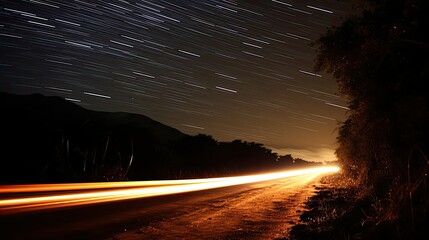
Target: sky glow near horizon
(230, 69)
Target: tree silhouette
(380, 61)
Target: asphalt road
(250, 211)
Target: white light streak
(195, 85)
(226, 89)
(324, 117)
(64, 21)
(59, 62)
(253, 54)
(299, 10)
(319, 9)
(59, 89)
(283, 3)
(189, 53)
(193, 126)
(336, 105)
(96, 95)
(304, 128)
(34, 16)
(251, 45)
(121, 43)
(143, 74)
(17, 11)
(9, 35)
(131, 38)
(41, 24)
(73, 100)
(298, 36)
(77, 44)
(297, 91)
(43, 3)
(310, 73)
(324, 93)
(225, 76)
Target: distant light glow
(91, 193)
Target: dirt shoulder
(267, 211)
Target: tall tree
(380, 59)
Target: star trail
(232, 69)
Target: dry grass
(344, 209)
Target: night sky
(230, 69)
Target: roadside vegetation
(380, 59)
(48, 139)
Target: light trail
(91, 193)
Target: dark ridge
(57, 112)
(49, 139)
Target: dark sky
(230, 69)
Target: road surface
(262, 210)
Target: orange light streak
(99, 185)
(91, 193)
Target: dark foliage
(48, 139)
(380, 59)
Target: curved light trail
(45, 196)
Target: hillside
(49, 139)
(42, 135)
(60, 113)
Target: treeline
(48, 139)
(380, 59)
(203, 154)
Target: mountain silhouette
(45, 136)
(49, 139)
(57, 112)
